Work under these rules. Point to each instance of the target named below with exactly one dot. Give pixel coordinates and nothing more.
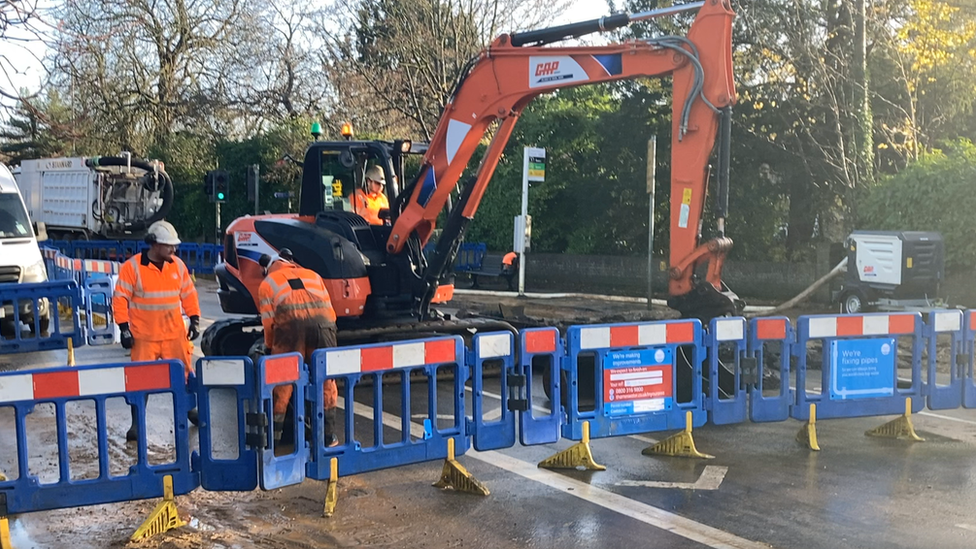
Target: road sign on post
(533, 169)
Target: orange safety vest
(509, 258)
(289, 293)
(368, 205)
(150, 299)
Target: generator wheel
(853, 302)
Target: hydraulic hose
(167, 191)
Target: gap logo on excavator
(384, 277)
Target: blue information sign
(636, 382)
(862, 368)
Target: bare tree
(404, 57)
(23, 30)
(147, 68)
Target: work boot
(330, 440)
(132, 435)
(194, 417)
(279, 427)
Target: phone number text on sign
(636, 382)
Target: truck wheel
(852, 302)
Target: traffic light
(221, 186)
(216, 185)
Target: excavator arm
(504, 78)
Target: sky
(21, 59)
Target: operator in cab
(368, 203)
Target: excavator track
(235, 337)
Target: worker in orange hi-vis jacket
(297, 315)
(369, 203)
(153, 291)
(510, 266)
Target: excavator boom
(504, 78)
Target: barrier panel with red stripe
(540, 354)
(726, 345)
(770, 396)
(646, 377)
(375, 381)
(859, 358)
(968, 359)
(92, 476)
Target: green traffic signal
(220, 196)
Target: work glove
(126, 335)
(194, 331)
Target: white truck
(20, 258)
(95, 197)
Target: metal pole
(651, 172)
(217, 230)
(665, 12)
(525, 214)
(257, 191)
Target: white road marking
(658, 518)
(921, 413)
(497, 413)
(969, 527)
(710, 479)
(425, 416)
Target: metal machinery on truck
(96, 197)
(382, 282)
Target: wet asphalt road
(762, 488)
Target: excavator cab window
(338, 181)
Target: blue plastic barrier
(540, 350)
(350, 365)
(20, 300)
(947, 323)
(99, 323)
(22, 391)
(199, 258)
(636, 369)
(726, 347)
(239, 474)
(859, 364)
(281, 466)
(470, 256)
(769, 346)
(497, 349)
(968, 359)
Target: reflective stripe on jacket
(289, 293)
(152, 301)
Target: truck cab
(20, 257)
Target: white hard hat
(163, 232)
(376, 174)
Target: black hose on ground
(167, 193)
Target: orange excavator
(384, 281)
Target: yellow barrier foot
(71, 352)
(902, 427)
(332, 492)
(5, 542)
(164, 517)
(455, 476)
(808, 433)
(577, 456)
(678, 445)
(193, 276)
